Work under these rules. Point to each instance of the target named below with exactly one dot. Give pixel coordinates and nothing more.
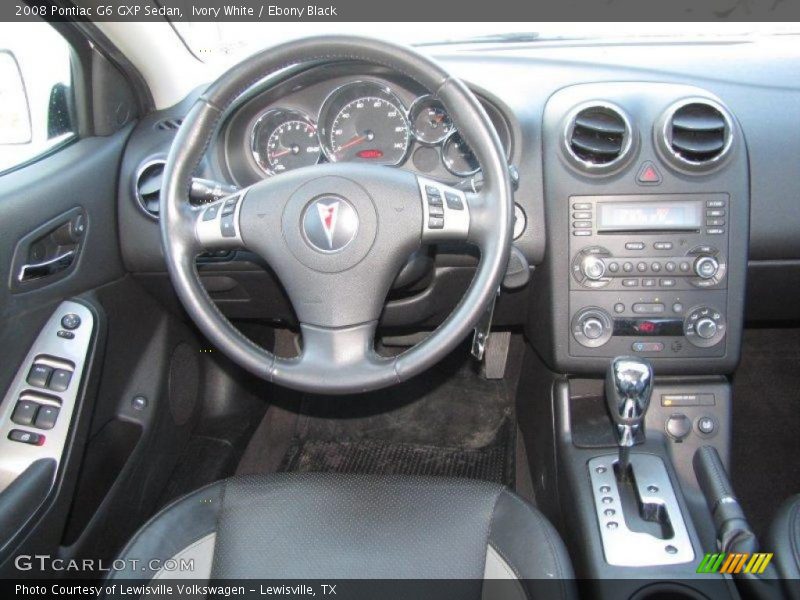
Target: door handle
(47, 267)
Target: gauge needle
(275, 155)
(356, 140)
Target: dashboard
(361, 116)
(653, 192)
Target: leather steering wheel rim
(336, 358)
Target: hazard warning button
(648, 174)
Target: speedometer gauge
(364, 122)
(283, 140)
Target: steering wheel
(337, 234)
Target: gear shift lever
(629, 384)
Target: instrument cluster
(365, 121)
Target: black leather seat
(784, 543)
(318, 526)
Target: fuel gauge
(429, 120)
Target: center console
(647, 203)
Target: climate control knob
(592, 328)
(706, 267)
(706, 328)
(593, 267)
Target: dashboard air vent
(696, 134)
(598, 137)
(169, 124)
(148, 186)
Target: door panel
(38, 205)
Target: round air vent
(148, 186)
(695, 135)
(598, 137)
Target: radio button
(641, 267)
(670, 266)
(648, 283)
(685, 267)
(582, 232)
(706, 267)
(656, 267)
(667, 283)
(630, 283)
(715, 231)
(582, 224)
(715, 222)
(715, 203)
(662, 245)
(634, 246)
(582, 206)
(613, 267)
(627, 267)
(715, 213)
(582, 215)
(593, 268)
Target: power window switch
(39, 375)
(26, 437)
(59, 380)
(24, 412)
(46, 418)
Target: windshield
(227, 42)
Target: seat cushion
(784, 538)
(326, 525)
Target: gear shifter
(629, 384)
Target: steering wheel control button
(46, 417)
(59, 380)
(453, 201)
(678, 427)
(39, 375)
(70, 321)
(436, 211)
(329, 224)
(24, 412)
(26, 437)
(211, 212)
(435, 222)
(226, 227)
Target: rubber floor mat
(493, 462)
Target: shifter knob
(629, 384)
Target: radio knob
(592, 328)
(593, 267)
(706, 267)
(706, 328)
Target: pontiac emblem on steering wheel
(330, 224)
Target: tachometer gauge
(283, 140)
(458, 157)
(429, 120)
(365, 122)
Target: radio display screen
(649, 216)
